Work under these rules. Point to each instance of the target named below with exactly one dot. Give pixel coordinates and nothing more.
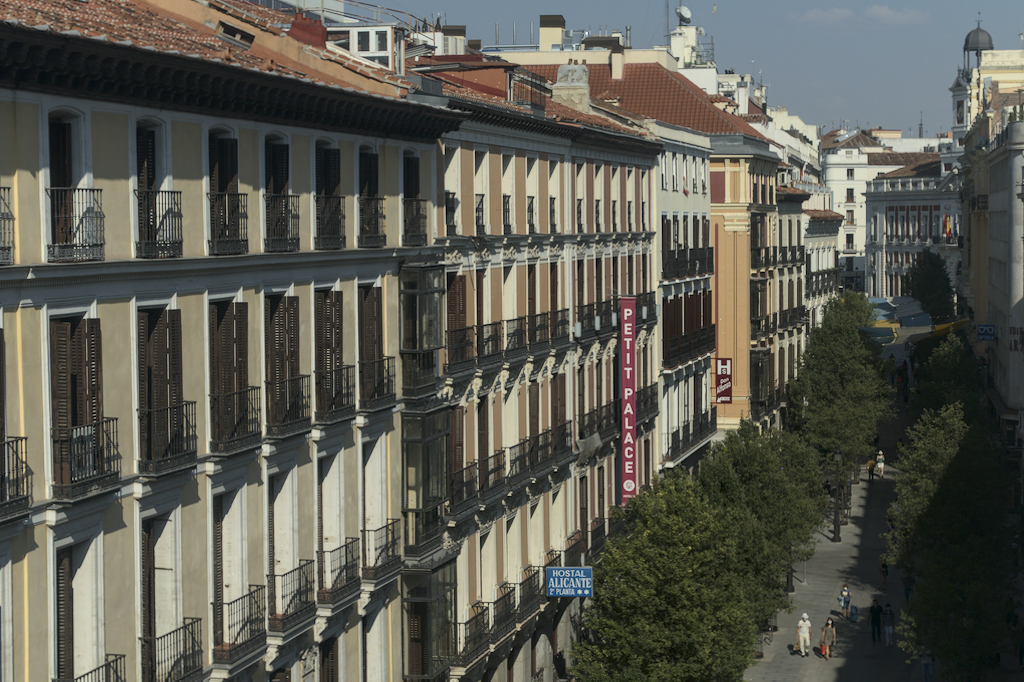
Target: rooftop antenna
(920, 126)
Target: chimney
(618, 58)
(552, 28)
(742, 97)
(573, 87)
(308, 31)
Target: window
(330, 207)
(376, 372)
(364, 41)
(282, 218)
(84, 443)
(421, 333)
(335, 395)
(167, 435)
(371, 206)
(234, 405)
(287, 389)
(76, 214)
(382, 41)
(675, 172)
(849, 242)
(78, 610)
(849, 194)
(425, 449)
(849, 218)
(228, 207)
(849, 174)
(430, 622)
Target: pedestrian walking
(844, 601)
(889, 623)
(876, 621)
(803, 630)
(908, 587)
(883, 571)
(828, 639)
(927, 665)
(880, 464)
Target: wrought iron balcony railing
(559, 326)
(376, 383)
(419, 373)
(85, 459)
(335, 394)
(605, 311)
(516, 337)
(111, 671)
(539, 327)
(338, 569)
(542, 454)
(292, 597)
(464, 490)
(239, 626)
(461, 349)
(561, 443)
(330, 222)
(647, 402)
(371, 223)
(492, 477)
(229, 218)
(586, 316)
(381, 550)
(519, 459)
(414, 223)
(14, 497)
(167, 438)
(6, 227)
(160, 233)
(282, 224)
(597, 539)
(235, 420)
(174, 657)
(489, 342)
(575, 545)
(474, 634)
(288, 408)
(76, 225)
(531, 592)
(503, 612)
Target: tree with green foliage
(929, 284)
(673, 595)
(949, 374)
(840, 396)
(777, 478)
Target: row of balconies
(792, 317)
(506, 340)
(691, 434)
(533, 208)
(681, 263)
(922, 239)
(823, 282)
(766, 257)
(679, 350)
(507, 471)
(764, 404)
(77, 224)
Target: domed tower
(976, 41)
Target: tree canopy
(929, 284)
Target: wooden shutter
(175, 379)
(61, 400)
(458, 438)
(534, 417)
(371, 342)
(229, 164)
(600, 511)
(480, 297)
(368, 169)
(64, 599)
(276, 159)
(553, 288)
(3, 387)
(412, 177)
(274, 332)
(329, 660)
(456, 303)
(240, 346)
(148, 601)
(483, 429)
(61, 174)
(272, 490)
(558, 399)
(218, 569)
(630, 275)
(584, 505)
(417, 635)
(145, 154)
(328, 171)
(216, 173)
(531, 290)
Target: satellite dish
(684, 15)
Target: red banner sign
(723, 380)
(627, 359)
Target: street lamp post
(837, 500)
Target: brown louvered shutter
(145, 352)
(61, 174)
(457, 303)
(329, 660)
(531, 291)
(229, 164)
(458, 438)
(241, 345)
(320, 171)
(145, 153)
(3, 387)
(272, 490)
(147, 556)
(483, 429)
(553, 288)
(534, 400)
(332, 171)
(276, 159)
(158, 356)
(371, 328)
(630, 275)
(175, 378)
(480, 297)
(417, 636)
(273, 329)
(60, 393)
(218, 570)
(600, 511)
(93, 352)
(584, 505)
(367, 173)
(64, 599)
(558, 399)
(412, 177)
(216, 173)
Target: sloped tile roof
(656, 92)
(830, 140)
(819, 214)
(137, 24)
(901, 158)
(930, 168)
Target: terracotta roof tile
(656, 92)
(818, 214)
(139, 25)
(830, 140)
(929, 168)
(901, 158)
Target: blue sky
(868, 63)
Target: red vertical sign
(723, 380)
(627, 358)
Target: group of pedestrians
(900, 378)
(883, 621)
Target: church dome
(978, 40)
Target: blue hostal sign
(573, 581)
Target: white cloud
(833, 15)
(884, 14)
